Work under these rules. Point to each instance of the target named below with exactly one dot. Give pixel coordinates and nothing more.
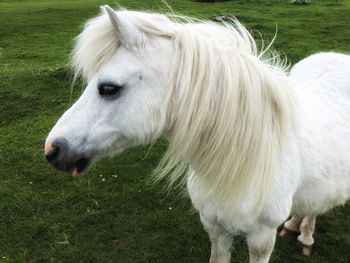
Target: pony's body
(323, 84)
(317, 159)
(256, 143)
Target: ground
(113, 214)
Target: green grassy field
(112, 214)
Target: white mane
(229, 111)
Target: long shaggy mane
(230, 107)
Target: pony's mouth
(75, 167)
(80, 166)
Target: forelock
(98, 41)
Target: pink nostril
(55, 150)
(49, 149)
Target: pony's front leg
(305, 239)
(292, 226)
(221, 242)
(260, 243)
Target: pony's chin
(81, 167)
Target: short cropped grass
(112, 214)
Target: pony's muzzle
(60, 156)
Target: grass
(113, 214)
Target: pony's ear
(127, 33)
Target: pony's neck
(230, 114)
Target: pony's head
(226, 110)
(124, 57)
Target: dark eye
(109, 90)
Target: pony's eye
(109, 90)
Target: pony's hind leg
(305, 239)
(221, 242)
(291, 227)
(260, 243)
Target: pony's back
(328, 72)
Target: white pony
(253, 144)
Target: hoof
(286, 232)
(304, 249)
